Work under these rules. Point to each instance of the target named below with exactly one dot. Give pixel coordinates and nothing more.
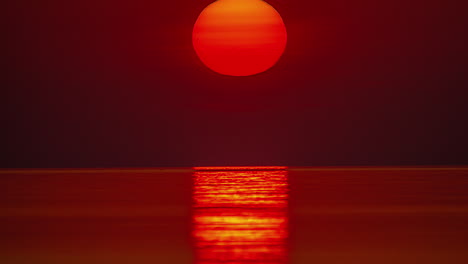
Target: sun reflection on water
(240, 216)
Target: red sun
(239, 37)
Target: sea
(235, 215)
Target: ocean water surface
(235, 215)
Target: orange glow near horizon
(240, 217)
(239, 37)
(238, 168)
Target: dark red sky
(106, 83)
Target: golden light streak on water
(240, 216)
